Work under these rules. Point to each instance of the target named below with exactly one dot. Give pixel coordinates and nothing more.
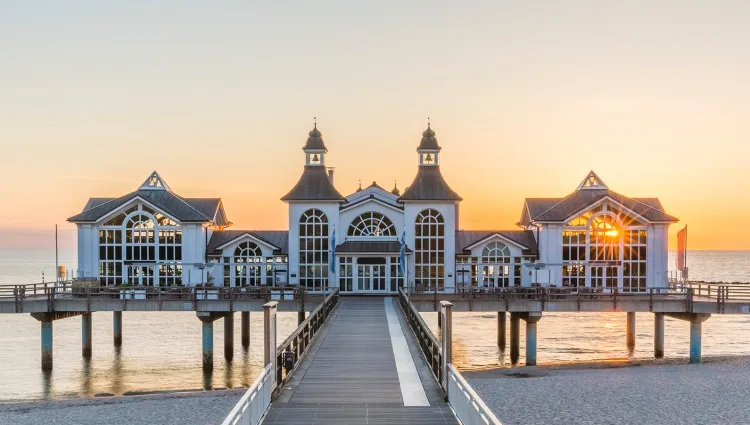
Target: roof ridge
(192, 207)
(554, 206)
(639, 202)
(104, 203)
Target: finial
(315, 122)
(428, 122)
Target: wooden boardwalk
(350, 375)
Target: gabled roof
(314, 185)
(588, 193)
(276, 238)
(156, 192)
(373, 192)
(467, 238)
(429, 185)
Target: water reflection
(47, 389)
(208, 380)
(245, 372)
(228, 375)
(86, 376)
(117, 384)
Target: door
(139, 275)
(605, 276)
(371, 278)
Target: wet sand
(646, 392)
(210, 407)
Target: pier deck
(362, 371)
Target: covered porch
(370, 267)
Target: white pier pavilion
(593, 237)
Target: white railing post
(446, 313)
(269, 336)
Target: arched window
(605, 243)
(141, 247)
(313, 250)
(429, 249)
(248, 259)
(496, 265)
(372, 224)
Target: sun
(612, 233)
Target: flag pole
(57, 265)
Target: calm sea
(162, 351)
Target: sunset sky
(525, 97)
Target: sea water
(162, 350)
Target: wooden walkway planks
(352, 378)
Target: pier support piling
(659, 335)
(501, 330)
(86, 335)
(208, 345)
(245, 329)
(46, 344)
(514, 336)
(531, 319)
(117, 328)
(630, 336)
(696, 320)
(229, 336)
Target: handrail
(467, 405)
(254, 403)
(299, 340)
(428, 343)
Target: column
(695, 341)
(208, 345)
(630, 337)
(501, 330)
(86, 335)
(46, 344)
(117, 328)
(514, 336)
(659, 335)
(531, 319)
(229, 336)
(245, 329)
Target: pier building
(594, 237)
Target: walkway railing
(468, 406)
(253, 405)
(428, 343)
(256, 401)
(299, 341)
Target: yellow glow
(611, 233)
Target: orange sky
(525, 100)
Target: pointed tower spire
(154, 182)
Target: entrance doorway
(141, 275)
(371, 275)
(604, 276)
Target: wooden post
(269, 335)
(501, 330)
(630, 334)
(659, 335)
(245, 329)
(446, 312)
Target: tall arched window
(248, 259)
(313, 250)
(496, 264)
(140, 246)
(372, 224)
(429, 249)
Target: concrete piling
(86, 332)
(695, 341)
(501, 330)
(46, 345)
(117, 328)
(531, 320)
(245, 329)
(659, 335)
(514, 337)
(630, 336)
(229, 336)
(208, 345)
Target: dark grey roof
(466, 238)
(429, 185)
(278, 238)
(183, 209)
(314, 185)
(428, 142)
(315, 141)
(560, 209)
(392, 247)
